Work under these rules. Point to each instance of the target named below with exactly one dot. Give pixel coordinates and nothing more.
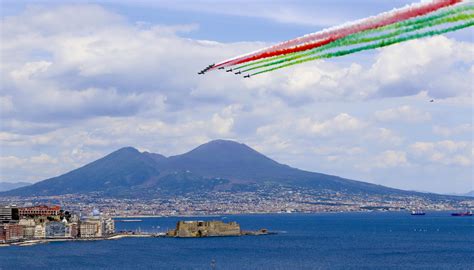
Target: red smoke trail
(371, 23)
(330, 36)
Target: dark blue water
(313, 241)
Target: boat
(462, 214)
(130, 220)
(417, 213)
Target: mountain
(226, 159)
(124, 168)
(5, 186)
(216, 165)
(468, 194)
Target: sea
(375, 240)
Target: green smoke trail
(360, 38)
(380, 44)
(356, 38)
(354, 41)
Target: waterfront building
(89, 229)
(28, 228)
(108, 226)
(39, 210)
(10, 232)
(99, 224)
(55, 229)
(28, 232)
(96, 226)
(40, 231)
(72, 230)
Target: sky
(80, 79)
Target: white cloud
(30, 69)
(40, 166)
(448, 131)
(391, 158)
(76, 90)
(222, 125)
(331, 150)
(384, 136)
(43, 159)
(423, 61)
(402, 114)
(6, 105)
(343, 122)
(445, 152)
(8, 162)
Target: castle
(204, 229)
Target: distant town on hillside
(219, 177)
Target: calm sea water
(304, 241)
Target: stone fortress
(205, 229)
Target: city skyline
(75, 88)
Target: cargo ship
(462, 214)
(417, 213)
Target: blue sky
(83, 78)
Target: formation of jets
(228, 70)
(206, 69)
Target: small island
(213, 228)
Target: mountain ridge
(5, 186)
(216, 165)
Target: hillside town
(267, 199)
(50, 222)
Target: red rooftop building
(40, 210)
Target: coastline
(448, 211)
(52, 240)
(266, 213)
(33, 242)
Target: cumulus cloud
(79, 81)
(391, 158)
(446, 131)
(445, 152)
(6, 105)
(39, 166)
(104, 60)
(402, 114)
(341, 123)
(423, 62)
(384, 136)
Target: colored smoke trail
(456, 14)
(326, 36)
(358, 39)
(399, 25)
(381, 44)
